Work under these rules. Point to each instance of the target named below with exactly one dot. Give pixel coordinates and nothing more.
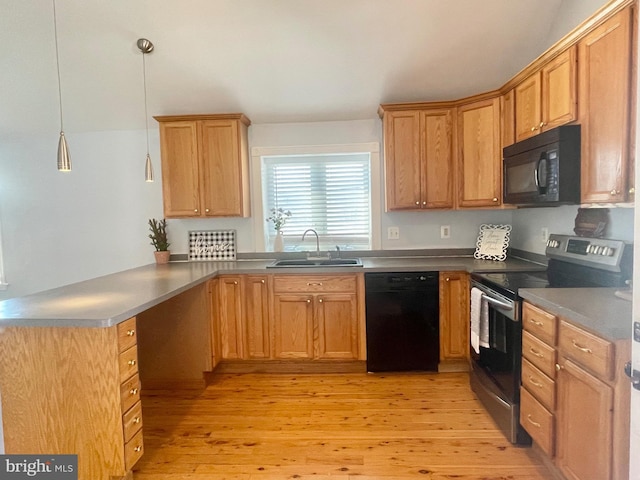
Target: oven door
(501, 360)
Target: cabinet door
(584, 428)
(559, 90)
(215, 309)
(230, 317)
(223, 168)
(293, 326)
(180, 177)
(480, 156)
(402, 160)
(336, 320)
(604, 62)
(507, 114)
(437, 159)
(528, 115)
(454, 316)
(256, 316)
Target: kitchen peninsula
(75, 358)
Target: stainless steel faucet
(317, 239)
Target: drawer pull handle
(133, 391)
(534, 382)
(535, 424)
(136, 420)
(131, 333)
(314, 284)
(536, 322)
(582, 349)
(536, 353)
(137, 449)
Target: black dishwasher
(402, 318)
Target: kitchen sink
(321, 262)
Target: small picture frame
(212, 245)
(493, 241)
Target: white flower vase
(278, 242)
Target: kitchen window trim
(372, 148)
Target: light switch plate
(393, 233)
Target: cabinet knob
(235, 282)
(308, 300)
(424, 203)
(446, 279)
(133, 391)
(543, 124)
(136, 420)
(196, 210)
(206, 210)
(137, 449)
(494, 199)
(614, 192)
(262, 281)
(131, 362)
(320, 300)
(533, 129)
(131, 333)
(559, 367)
(417, 203)
(632, 190)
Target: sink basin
(324, 262)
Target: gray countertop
(598, 310)
(108, 300)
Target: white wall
(59, 228)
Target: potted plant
(279, 217)
(159, 240)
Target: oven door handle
(497, 303)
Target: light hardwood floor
(337, 426)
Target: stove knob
(589, 248)
(606, 251)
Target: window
(328, 191)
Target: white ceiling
(274, 60)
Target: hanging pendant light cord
(146, 115)
(55, 32)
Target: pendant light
(145, 46)
(64, 160)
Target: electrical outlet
(445, 231)
(544, 234)
(393, 233)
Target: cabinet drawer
(127, 334)
(133, 450)
(538, 421)
(128, 361)
(539, 385)
(590, 351)
(540, 323)
(539, 354)
(314, 283)
(132, 421)
(130, 392)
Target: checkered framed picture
(212, 245)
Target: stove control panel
(607, 254)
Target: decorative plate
(212, 245)
(493, 242)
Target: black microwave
(543, 170)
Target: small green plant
(279, 217)
(158, 234)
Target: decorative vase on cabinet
(278, 242)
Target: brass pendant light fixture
(145, 46)
(64, 160)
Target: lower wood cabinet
(574, 396)
(256, 316)
(88, 404)
(454, 319)
(316, 316)
(230, 322)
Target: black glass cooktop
(513, 281)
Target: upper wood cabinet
(205, 165)
(418, 159)
(479, 154)
(605, 63)
(507, 116)
(547, 98)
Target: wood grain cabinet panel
(205, 165)
(539, 354)
(256, 316)
(231, 329)
(538, 421)
(419, 164)
(539, 323)
(479, 154)
(604, 66)
(507, 116)
(293, 326)
(336, 323)
(454, 317)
